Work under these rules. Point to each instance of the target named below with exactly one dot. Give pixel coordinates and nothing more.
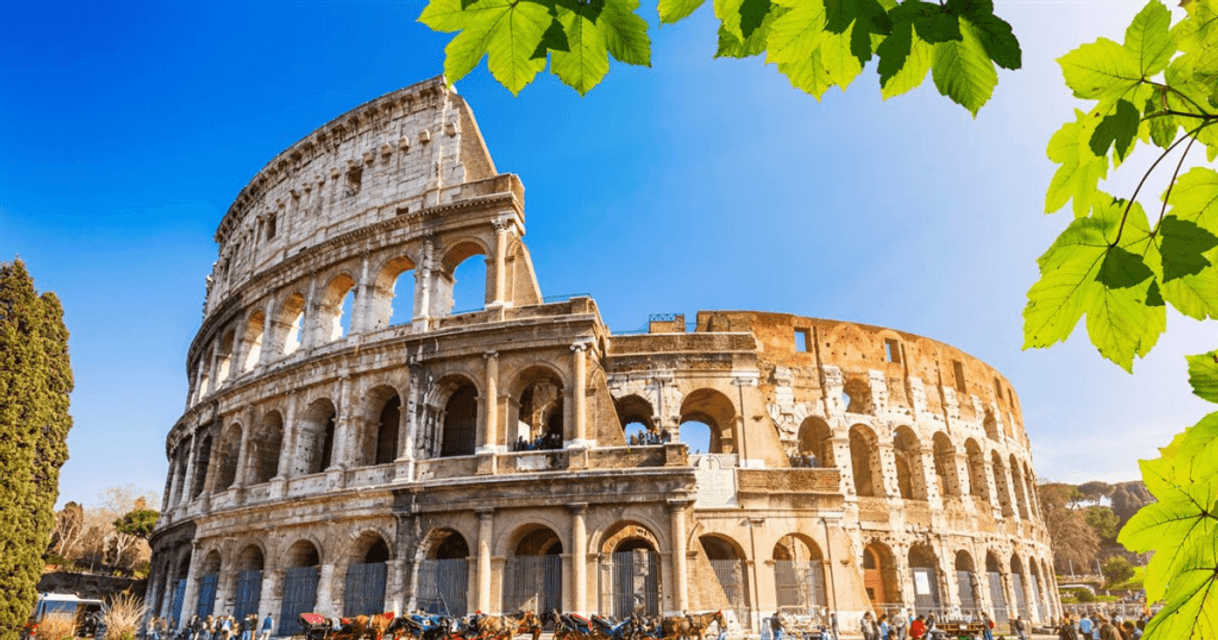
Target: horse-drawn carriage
(421, 626)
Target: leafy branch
(817, 44)
(1122, 272)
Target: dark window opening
(997, 389)
(327, 445)
(271, 227)
(958, 367)
(892, 350)
(355, 178)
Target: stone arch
(251, 340)
(716, 411)
(998, 598)
(1018, 586)
(332, 323)
(316, 437)
(728, 560)
(967, 583)
(532, 575)
(367, 569)
(630, 559)
(945, 465)
(816, 439)
(459, 418)
(289, 323)
(305, 552)
(1001, 484)
(619, 535)
(443, 572)
(246, 579)
(227, 462)
(907, 452)
(444, 544)
(636, 416)
(202, 460)
(1021, 497)
(385, 308)
(799, 574)
(224, 357)
(263, 449)
(1038, 589)
(865, 462)
(206, 583)
(251, 558)
(455, 256)
(856, 395)
(879, 574)
(298, 592)
(370, 545)
(924, 570)
(538, 398)
(977, 484)
(377, 427)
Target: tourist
(1020, 628)
(267, 625)
(917, 628)
(1084, 627)
(1131, 631)
(776, 626)
(899, 622)
(987, 626)
(870, 632)
(884, 627)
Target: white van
(67, 604)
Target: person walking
(899, 623)
(1020, 628)
(867, 626)
(885, 628)
(987, 626)
(1067, 630)
(917, 628)
(776, 626)
(267, 624)
(1084, 627)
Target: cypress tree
(35, 380)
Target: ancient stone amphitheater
(351, 445)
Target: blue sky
(126, 130)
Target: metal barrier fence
(249, 591)
(207, 595)
(800, 586)
(632, 583)
(299, 596)
(443, 585)
(179, 595)
(532, 583)
(998, 598)
(731, 577)
(365, 589)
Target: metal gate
(179, 594)
(532, 583)
(998, 598)
(299, 596)
(442, 586)
(968, 595)
(1021, 598)
(926, 589)
(365, 592)
(730, 574)
(630, 583)
(800, 586)
(1037, 603)
(249, 591)
(207, 595)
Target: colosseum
(352, 445)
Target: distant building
(515, 457)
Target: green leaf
(862, 18)
(587, 61)
(625, 32)
(995, 34)
(1148, 38)
(1119, 127)
(912, 73)
(674, 10)
(830, 64)
(507, 32)
(755, 44)
(963, 71)
(1162, 128)
(797, 34)
(444, 15)
(1102, 70)
(752, 14)
(554, 38)
(1081, 169)
(1120, 268)
(1203, 375)
(894, 51)
(1195, 198)
(1183, 248)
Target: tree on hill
(35, 380)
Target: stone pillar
(361, 306)
(486, 528)
(489, 438)
(288, 450)
(191, 596)
(394, 572)
(579, 374)
(501, 241)
(676, 514)
(270, 348)
(324, 601)
(422, 288)
(346, 442)
(241, 477)
(579, 558)
(888, 470)
(268, 600)
(930, 477)
(189, 477)
(411, 407)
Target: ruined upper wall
(408, 150)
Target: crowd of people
(211, 628)
(543, 442)
(649, 438)
(1097, 626)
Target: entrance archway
(799, 575)
(879, 574)
(532, 575)
(727, 561)
(443, 583)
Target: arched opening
(224, 360)
(251, 340)
(300, 577)
(263, 449)
(945, 466)
(461, 285)
(539, 416)
(1017, 586)
(204, 375)
(865, 462)
(696, 436)
(911, 477)
(799, 576)
(387, 427)
(727, 561)
(364, 591)
(1021, 498)
(248, 589)
(334, 314)
(316, 449)
(181, 454)
(289, 324)
(209, 579)
(1038, 609)
(532, 574)
(966, 584)
(638, 421)
(230, 448)
(998, 598)
(392, 300)
(816, 443)
(444, 574)
(1001, 485)
(714, 410)
(923, 568)
(879, 575)
(179, 588)
(460, 436)
(977, 484)
(856, 395)
(631, 567)
(991, 425)
(202, 459)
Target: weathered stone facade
(338, 461)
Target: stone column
(361, 307)
(422, 288)
(676, 514)
(930, 476)
(579, 373)
(270, 348)
(579, 558)
(241, 477)
(189, 477)
(489, 438)
(288, 449)
(268, 601)
(501, 241)
(412, 407)
(324, 602)
(486, 524)
(191, 596)
(346, 443)
(888, 470)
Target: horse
(701, 621)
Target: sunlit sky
(126, 129)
